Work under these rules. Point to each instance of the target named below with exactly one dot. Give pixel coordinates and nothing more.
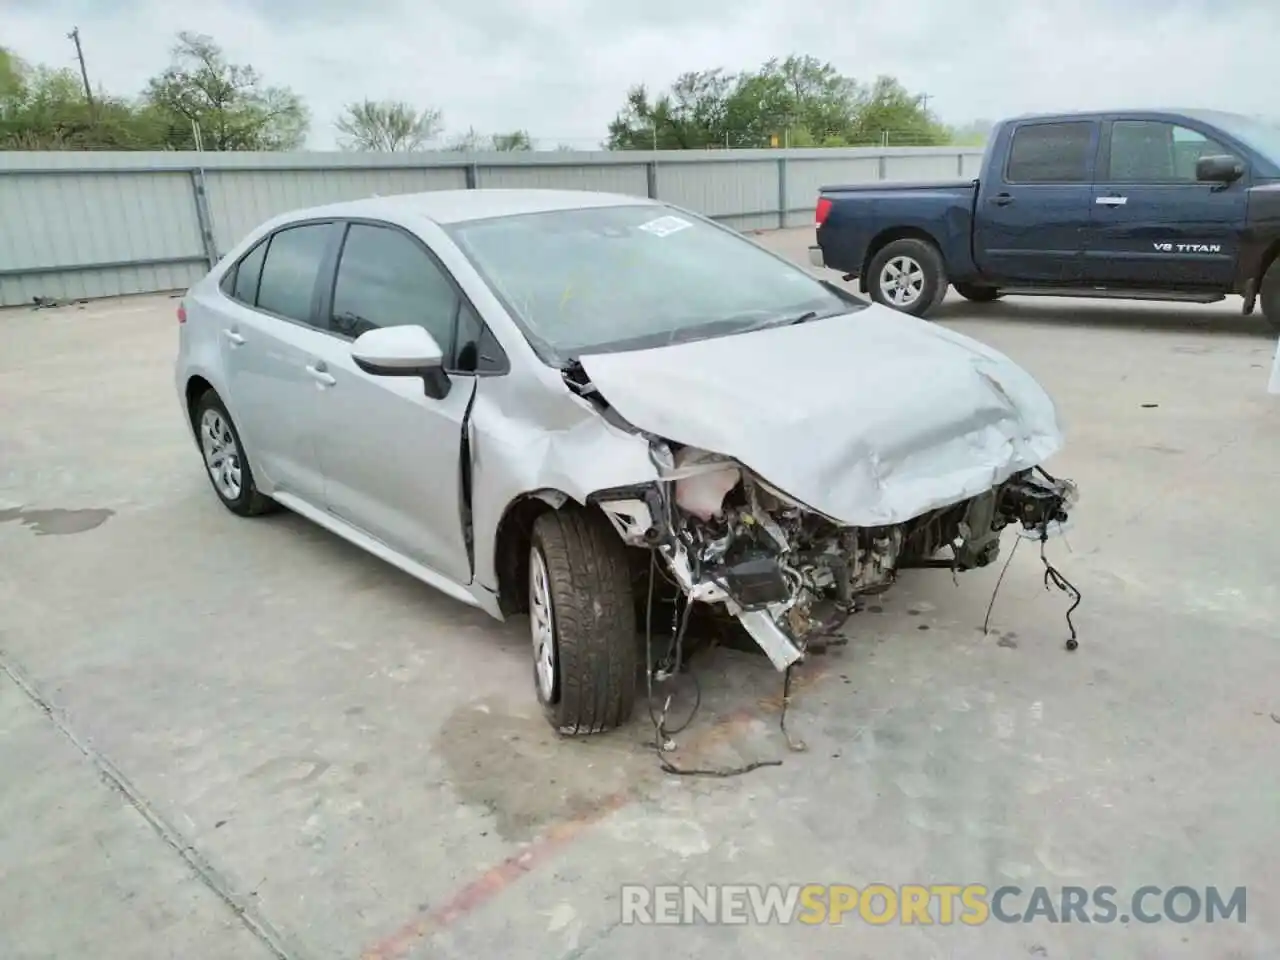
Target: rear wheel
(582, 622)
(224, 459)
(977, 293)
(1269, 295)
(909, 276)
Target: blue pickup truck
(1140, 205)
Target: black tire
(933, 286)
(1269, 295)
(248, 502)
(593, 620)
(977, 293)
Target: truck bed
(893, 186)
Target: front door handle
(319, 375)
(1002, 199)
(1112, 201)
(233, 338)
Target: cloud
(560, 68)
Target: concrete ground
(228, 738)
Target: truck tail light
(821, 213)
(182, 313)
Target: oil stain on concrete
(57, 522)
(526, 776)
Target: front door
(266, 339)
(1029, 226)
(1153, 224)
(391, 455)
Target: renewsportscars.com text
(971, 904)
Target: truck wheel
(909, 276)
(1269, 295)
(977, 293)
(582, 621)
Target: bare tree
(470, 142)
(387, 126)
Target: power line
(74, 36)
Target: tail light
(821, 213)
(182, 313)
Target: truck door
(1033, 212)
(1154, 226)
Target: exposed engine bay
(787, 572)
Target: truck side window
(1050, 152)
(1153, 151)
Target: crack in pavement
(245, 912)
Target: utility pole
(74, 36)
(924, 99)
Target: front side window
(629, 277)
(290, 270)
(385, 280)
(1051, 153)
(1153, 151)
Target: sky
(561, 68)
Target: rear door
(268, 330)
(1153, 224)
(1029, 226)
(391, 455)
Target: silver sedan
(543, 402)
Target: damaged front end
(788, 573)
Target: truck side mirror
(1219, 169)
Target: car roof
(458, 206)
(1190, 113)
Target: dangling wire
(1053, 576)
(661, 734)
(1003, 570)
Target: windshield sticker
(665, 226)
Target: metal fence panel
(84, 225)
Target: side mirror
(407, 351)
(1219, 169)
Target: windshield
(1260, 135)
(605, 279)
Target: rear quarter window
(241, 281)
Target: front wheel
(1269, 295)
(909, 276)
(978, 293)
(582, 622)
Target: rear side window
(289, 273)
(248, 273)
(1051, 153)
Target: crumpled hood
(872, 417)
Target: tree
(691, 116)
(796, 101)
(387, 126)
(11, 72)
(45, 109)
(227, 102)
(972, 134)
(514, 141)
(889, 114)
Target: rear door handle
(1112, 201)
(233, 338)
(1002, 200)
(318, 374)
